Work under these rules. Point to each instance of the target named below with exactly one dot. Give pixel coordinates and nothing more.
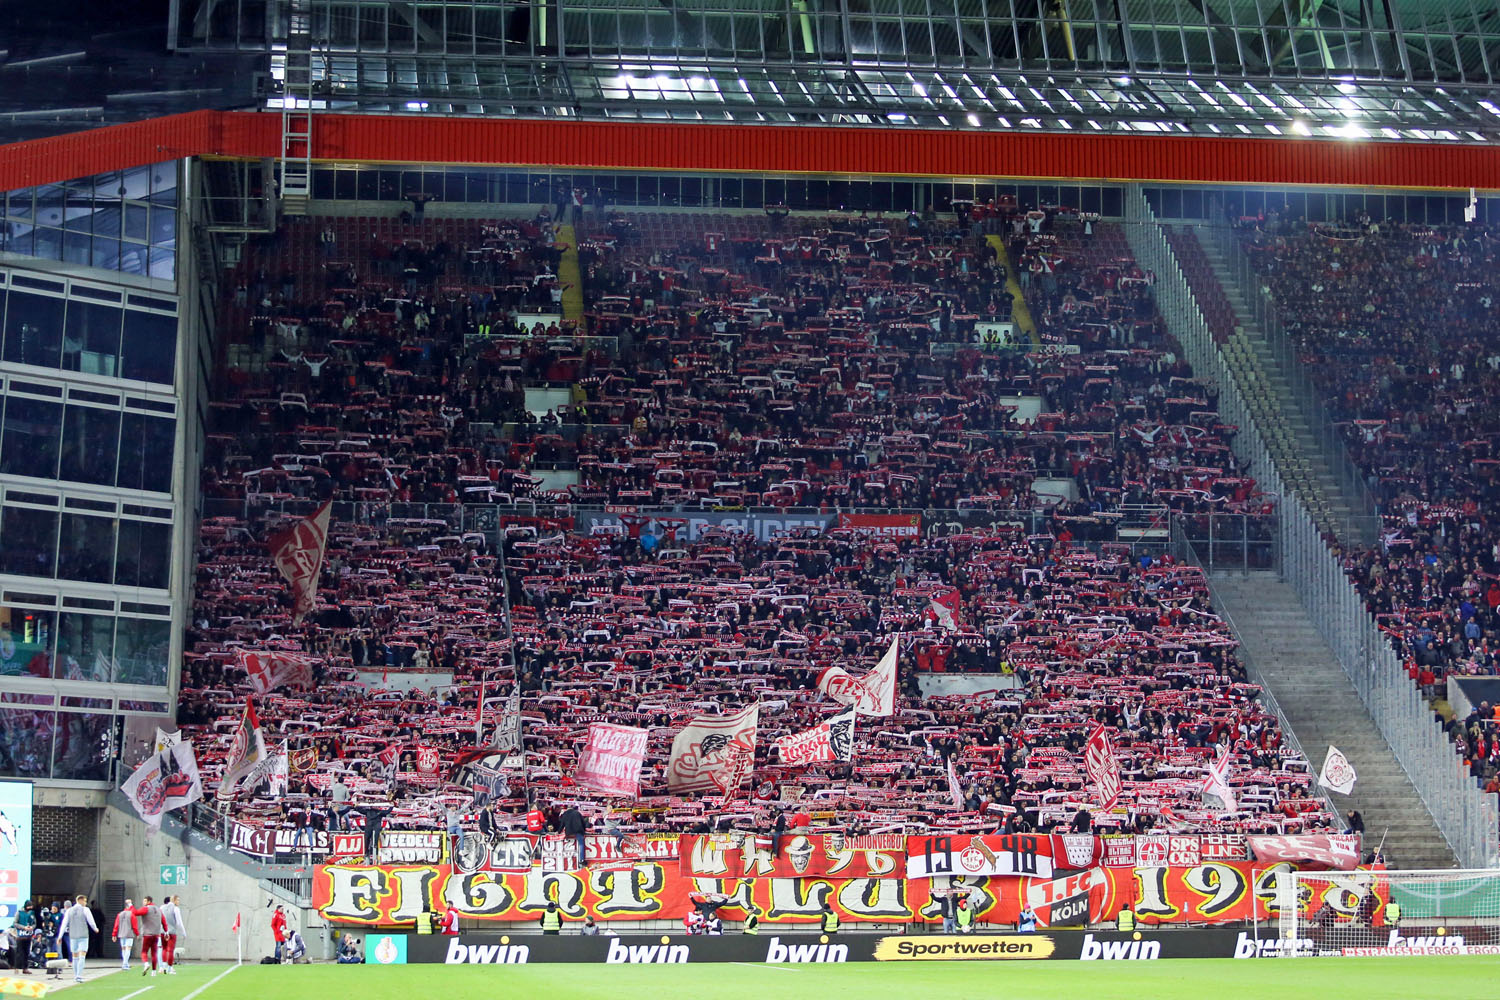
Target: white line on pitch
(206, 985)
(137, 992)
(753, 965)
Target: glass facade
(89, 405)
(122, 221)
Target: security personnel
(830, 920)
(965, 917)
(752, 923)
(1393, 914)
(552, 920)
(426, 921)
(1125, 921)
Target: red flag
(270, 669)
(236, 928)
(830, 740)
(714, 753)
(942, 610)
(298, 554)
(1103, 768)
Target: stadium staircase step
(571, 275)
(1323, 708)
(1019, 311)
(1302, 459)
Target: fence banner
(818, 855)
(674, 529)
(267, 842)
(1001, 854)
(1214, 893)
(412, 847)
(520, 852)
(883, 525)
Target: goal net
(1453, 912)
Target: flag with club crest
(298, 554)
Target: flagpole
(515, 663)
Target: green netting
(1472, 896)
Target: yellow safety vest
(830, 923)
(1392, 914)
(965, 917)
(752, 924)
(1125, 922)
(552, 920)
(424, 923)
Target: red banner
(610, 763)
(883, 525)
(1338, 850)
(269, 669)
(1223, 892)
(1103, 768)
(818, 855)
(298, 554)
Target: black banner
(804, 948)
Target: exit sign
(174, 874)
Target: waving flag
(610, 763)
(1338, 774)
(955, 790)
(714, 753)
(872, 694)
(943, 609)
(1217, 782)
(271, 668)
(1103, 768)
(298, 554)
(830, 740)
(166, 780)
(247, 754)
(507, 736)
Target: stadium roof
(1398, 70)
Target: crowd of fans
(1400, 327)
(731, 361)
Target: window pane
(144, 555)
(141, 648)
(87, 550)
(28, 541)
(90, 444)
(33, 329)
(146, 448)
(85, 647)
(26, 742)
(91, 339)
(150, 346)
(25, 642)
(29, 441)
(82, 747)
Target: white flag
(872, 694)
(1338, 774)
(278, 772)
(1217, 782)
(714, 753)
(830, 740)
(247, 754)
(165, 780)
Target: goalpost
(1444, 912)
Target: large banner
(610, 763)
(833, 855)
(1332, 850)
(677, 528)
(883, 525)
(269, 669)
(872, 694)
(166, 780)
(1001, 854)
(1216, 893)
(268, 842)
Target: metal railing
(1185, 550)
(1304, 390)
(1468, 818)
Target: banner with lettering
(883, 525)
(610, 762)
(834, 855)
(1215, 893)
(1001, 854)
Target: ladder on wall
(296, 110)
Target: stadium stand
(802, 364)
(1366, 301)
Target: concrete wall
(214, 893)
(938, 685)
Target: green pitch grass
(1262, 979)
